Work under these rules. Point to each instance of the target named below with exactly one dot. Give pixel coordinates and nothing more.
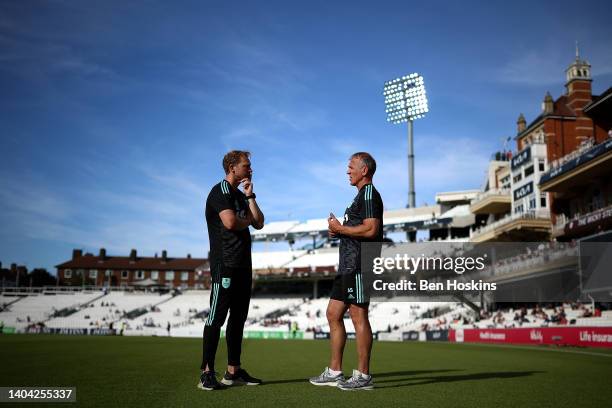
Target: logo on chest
(240, 212)
(350, 208)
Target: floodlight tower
(405, 101)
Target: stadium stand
(178, 311)
(146, 313)
(110, 308)
(274, 260)
(24, 310)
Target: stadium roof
(404, 219)
(460, 216)
(454, 196)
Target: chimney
(548, 104)
(133, 255)
(521, 123)
(77, 253)
(13, 267)
(102, 254)
(164, 256)
(188, 256)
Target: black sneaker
(208, 382)
(241, 377)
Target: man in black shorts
(363, 222)
(229, 213)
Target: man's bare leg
(363, 332)
(337, 332)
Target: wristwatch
(251, 196)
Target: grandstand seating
(38, 307)
(274, 260)
(317, 258)
(178, 311)
(116, 305)
(186, 313)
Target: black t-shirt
(228, 248)
(366, 204)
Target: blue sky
(114, 116)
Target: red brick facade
(102, 270)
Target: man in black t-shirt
(229, 213)
(363, 222)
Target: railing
(26, 290)
(560, 222)
(584, 147)
(528, 215)
(489, 193)
(534, 259)
(563, 220)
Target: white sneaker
(327, 378)
(357, 382)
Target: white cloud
(533, 68)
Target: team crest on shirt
(225, 282)
(240, 212)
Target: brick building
(133, 270)
(565, 123)
(560, 177)
(579, 143)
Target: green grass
(163, 372)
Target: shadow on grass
(455, 378)
(376, 376)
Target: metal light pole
(405, 101)
(411, 193)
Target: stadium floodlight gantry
(405, 101)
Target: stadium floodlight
(405, 101)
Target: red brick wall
(116, 280)
(579, 94)
(561, 137)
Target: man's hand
(256, 217)
(333, 225)
(247, 184)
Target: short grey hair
(367, 160)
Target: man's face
(243, 169)
(356, 171)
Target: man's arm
(257, 217)
(369, 228)
(233, 223)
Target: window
(108, 273)
(80, 272)
(154, 275)
(532, 203)
(184, 276)
(541, 165)
(528, 171)
(67, 273)
(93, 273)
(124, 274)
(170, 275)
(505, 182)
(139, 274)
(517, 178)
(543, 200)
(518, 209)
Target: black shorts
(350, 288)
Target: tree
(40, 277)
